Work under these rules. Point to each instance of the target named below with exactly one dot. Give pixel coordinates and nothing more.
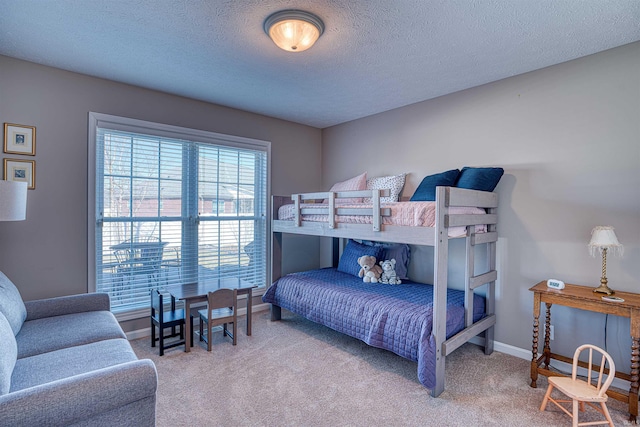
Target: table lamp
(13, 201)
(603, 239)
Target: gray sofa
(66, 361)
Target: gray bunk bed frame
(437, 236)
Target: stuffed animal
(369, 270)
(389, 272)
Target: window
(173, 205)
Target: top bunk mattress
(408, 214)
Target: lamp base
(603, 289)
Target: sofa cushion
(8, 354)
(67, 362)
(11, 304)
(53, 333)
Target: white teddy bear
(389, 272)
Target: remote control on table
(612, 299)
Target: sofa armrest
(80, 303)
(70, 400)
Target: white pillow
(356, 183)
(394, 183)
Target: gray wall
(568, 139)
(46, 255)
(566, 135)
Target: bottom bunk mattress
(397, 318)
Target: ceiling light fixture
(293, 30)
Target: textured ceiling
(375, 55)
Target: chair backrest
(156, 304)
(124, 255)
(605, 362)
(147, 251)
(222, 298)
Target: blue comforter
(393, 317)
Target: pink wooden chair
(590, 391)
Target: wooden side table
(584, 298)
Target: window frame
(125, 124)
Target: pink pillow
(356, 183)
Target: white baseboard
(504, 348)
(556, 364)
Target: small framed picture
(20, 170)
(19, 139)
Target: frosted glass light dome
(293, 30)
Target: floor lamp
(13, 201)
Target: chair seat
(217, 313)
(172, 316)
(577, 389)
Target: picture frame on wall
(19, 139)
(20, 170)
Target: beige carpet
(297, 373)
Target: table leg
(547, 336)
(635, 364)
(249, 310)
(187, 326)
(534, 350)
(633, 389)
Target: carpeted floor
(296, 373)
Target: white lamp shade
(13, 201)
(603, 237)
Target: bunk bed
(448, 318)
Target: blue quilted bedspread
(394, 317)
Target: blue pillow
(482, 179)
(401, 252)
(426, 191)
(349, 260)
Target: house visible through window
(174, 205)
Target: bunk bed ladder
(472, 281)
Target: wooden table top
(586, 295)
(191, 290)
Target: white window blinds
(176, 207)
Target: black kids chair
(167, 319)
